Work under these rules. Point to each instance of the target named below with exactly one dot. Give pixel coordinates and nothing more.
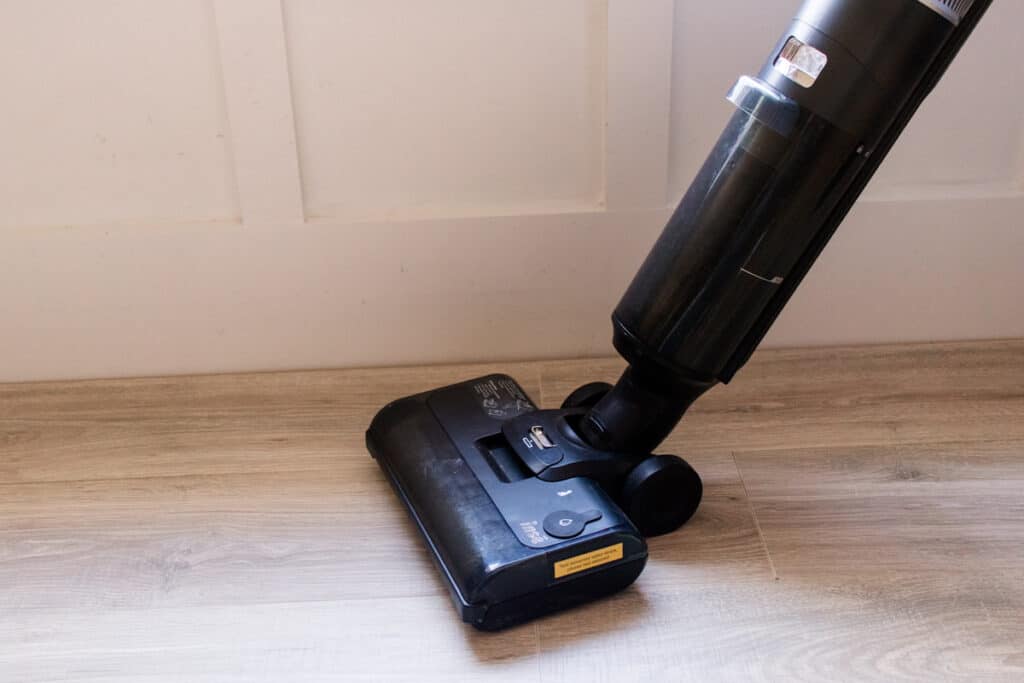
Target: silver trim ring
(953, 10)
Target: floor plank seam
(538, 652)
(753, 516)
(539, 379)
(166, 477)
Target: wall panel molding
(408, 110)
(257, 90)
(639, 103)
(113, 112)
(154, 300)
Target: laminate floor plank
(863, 519)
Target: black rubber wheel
(661, 494)
(586, 396)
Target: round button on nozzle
(569, 524)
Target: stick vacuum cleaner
(529, 511)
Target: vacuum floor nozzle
(510, 545)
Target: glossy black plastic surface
(788, 167)
(482, 512)
(750, 214)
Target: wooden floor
(863, 520)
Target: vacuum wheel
(587, 395)
(661, 494)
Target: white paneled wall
(968, 137)
(214, 185)
(112, 112)
(400, 116)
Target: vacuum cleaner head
(510, 545)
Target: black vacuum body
(529, 511)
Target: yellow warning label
(594, 558)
